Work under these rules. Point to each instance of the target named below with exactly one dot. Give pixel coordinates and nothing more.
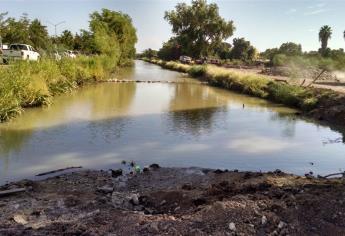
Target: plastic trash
(137, 168)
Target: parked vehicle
(20, 52)
(215, 61)
(70, 54)
(185, 59)
(57, 56)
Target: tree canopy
(198, 27)
(242, 50)
(114, 34)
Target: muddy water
(179, 125)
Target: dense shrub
(28, 84)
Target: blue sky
(266, 23)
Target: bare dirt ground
(335, 85)
(171, 201)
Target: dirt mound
(169, 201)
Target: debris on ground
(174, 201)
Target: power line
(56, 25)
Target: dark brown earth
(171, 201)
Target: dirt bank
(171, 201)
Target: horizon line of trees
(199, 31)
(110, 32)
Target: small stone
(281, 225)
(116, 173)
(232, 226)
(264, 220)
(163, 202)
(154, 166)
(105, 189)
(134, 199)
(20, 219)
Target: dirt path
(169, 201)
(338, 86)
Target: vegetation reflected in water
(171, 124)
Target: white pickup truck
(20, 52)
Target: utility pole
(56, 25)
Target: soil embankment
(172, 201)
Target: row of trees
(199, 31)
(110, 33)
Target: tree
(223, 50)
(84, 42)
(242, 50)
(199, 27)
(290, 49)
(67, 39)
(16, 31)
(114, 34)
(38, 35)
(171, 50)
(149, 53)
(324, 35)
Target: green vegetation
(252, 84)
(34, 84)
(198, 27)
(27, 84)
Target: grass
(305, 99)
(31, 84)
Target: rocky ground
(171, 201)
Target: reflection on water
(171, 124)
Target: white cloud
(291, 11)
(259, 145)
(316, 9)
(315, 12)
(193, 147)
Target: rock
(264, 220)
(116, 173)
(281, 225)
(146, 169)
(154, 227)
(134, 199)
(232, 226)
(105, 189)
(187, 187)
(20, 219)
(154, 166)
(218, 171)
(163, 202)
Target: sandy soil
(338, 86)
(171, 201)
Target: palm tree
(324, 35)
(344, 34)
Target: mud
(172, 201)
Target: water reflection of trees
(192, 109)
(96, 102)
(288, 121)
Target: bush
(29, 84)
(197, 71)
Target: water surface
(178, 125)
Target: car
(69, 54)
(20, 52)
(185, 59)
